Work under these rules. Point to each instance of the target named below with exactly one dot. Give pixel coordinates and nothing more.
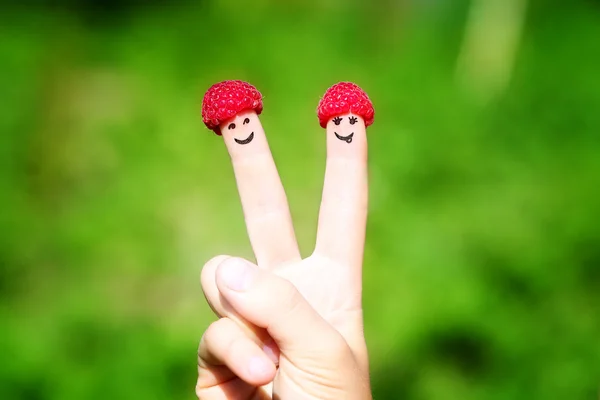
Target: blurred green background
(482, 267)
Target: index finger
(232, 108)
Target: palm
(328, 288)
(330, 279)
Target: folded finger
(222, 308)
(225, 344)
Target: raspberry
(224, 100)
(342, 98)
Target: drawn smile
(347, 139)
(245, 141)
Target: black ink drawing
(245, 141)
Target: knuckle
(231, 349)
(207, 274)
(290, 297)
(204, 392)
(338, 346)
(215, 331)
(334, 348)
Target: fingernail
(258, 366)
(236, 274)
(272, 351)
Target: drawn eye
(353, 120)
(247, 120)
(337, 120)
(231, 126)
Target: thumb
(271, 302)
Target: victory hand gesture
(289, 328)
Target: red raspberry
(342, 98)
(224, 100)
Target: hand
(304, 316)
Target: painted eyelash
(337, 120)
(353, 120)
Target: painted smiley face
(348, 138)
(248, 139)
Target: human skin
(290, 328)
